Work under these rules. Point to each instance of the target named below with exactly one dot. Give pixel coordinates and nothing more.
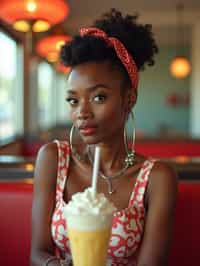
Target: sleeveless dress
(128, 224)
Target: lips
(87, 130)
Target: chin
(91, 140)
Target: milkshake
(89, 220)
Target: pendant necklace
(129, 160)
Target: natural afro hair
(137, 38)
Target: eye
(72, 101)
(99, 98)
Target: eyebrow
(93, 88)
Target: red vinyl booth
(15, 225)
(185, 246)
(160, 149)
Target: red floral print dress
(128, 224)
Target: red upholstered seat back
(168, 149)
(186, 244)
(15, 221)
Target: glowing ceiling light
(31, 6)
(35, 15)
(180, 67)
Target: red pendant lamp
(33, 15)
(63, 69)
(180, 67)
(49, 48)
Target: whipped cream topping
(88, 203)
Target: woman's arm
(158, 231)
(43, 204)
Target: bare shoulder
(160, 215)
(47, 150)
(44, 198)
(46, 164)
(163, 179)
(163, 171)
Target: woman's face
(97, 104)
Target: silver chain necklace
(129, 160)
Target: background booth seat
(15, 223)
(185, 246)
(169, 148)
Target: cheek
(72, 115)
(111, 116)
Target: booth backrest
(15, 225)
(168, 148)
(186, 246)
(15, 208)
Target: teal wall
(156, 84)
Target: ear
(130, 100)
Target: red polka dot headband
(121, 52)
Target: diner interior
(33, 110)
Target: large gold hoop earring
(80, 157)
(130, 148)
(71, 133)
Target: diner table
(16, 167)
(22, 167)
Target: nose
(84, 111)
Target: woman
(102, 91)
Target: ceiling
(161, 14)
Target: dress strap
(63, 166)
(141, 182)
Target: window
(11, 88)
(62, 105)
(46, 99)
(52, 107)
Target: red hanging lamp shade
(63, 69)
(35, 15)
(49, 47)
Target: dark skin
(96, 99)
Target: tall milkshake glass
(89, 230)
(89, 219)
